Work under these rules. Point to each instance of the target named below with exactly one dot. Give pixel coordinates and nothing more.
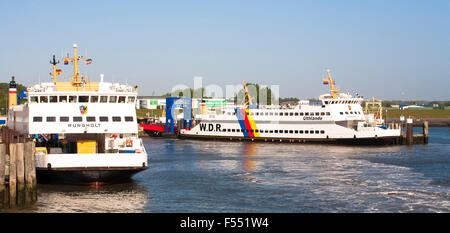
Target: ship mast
(334, 90)
(77, 80)
(54, 74)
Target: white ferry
(84, 132)
(336, 118)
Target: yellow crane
(333, 89)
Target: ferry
(336, 118)
(84, 131)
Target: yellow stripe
(252, 123)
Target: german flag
(66, 62)
(58, 71)
(88, 61)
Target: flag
(88, 61)
(325, 82)
(66, 62)
(58, 71)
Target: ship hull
(95, 175)
(390, 140)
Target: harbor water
(218, 176)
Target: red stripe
(247, 125)
(12, 92)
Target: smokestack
(12, 100)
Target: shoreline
(432, 122)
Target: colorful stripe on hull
(247, 123)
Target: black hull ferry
(84, 132)
(337, 118)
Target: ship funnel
(12, 100)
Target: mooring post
(2, 172)
(30, 180)
(425, 132)
(12, 174)
(20, 164)
(409, 131)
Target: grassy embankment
(418, 113)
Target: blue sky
(387, 49)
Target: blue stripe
(241, 122)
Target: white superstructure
(82, 125)
(336, 117)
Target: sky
(392, 50)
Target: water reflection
(250, 150)
(126, 197)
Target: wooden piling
(409, 131)
(2, 172)
(425, 132)
(20, 166)
(12, 174)
(30, 173)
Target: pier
(17, 170)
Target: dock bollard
(425, 132)
(409, 131)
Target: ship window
(90, 119)
(51, 119)
(103, 119)
(276, 113)
(276, 131)
(291, 131)
(270, 131)
(122, 99)
(286, 131)
(301, 131)
(63, 119)
(37, 119)
(94, 99)
(322, 114)
(233, 130)
(311, 114)
(113, 99)
(229, 130)
(77, 119)
(301, 114)
(103, 99)
(43, 99)
(130, 99)
(311, 131)
(72, 99)
(326, 102)
(328, 113)
(116, 118)
(341, 113)
(306, 113)
(128, 118)
(296, 131)
(53, 99)
(322, 131)
(346, 113)
(351, 112)
(291, 114)
(317, 131)
(306, 131)
(63, 99)
(296, 113)
(317, 113)
(33, 99)
(83, 99)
